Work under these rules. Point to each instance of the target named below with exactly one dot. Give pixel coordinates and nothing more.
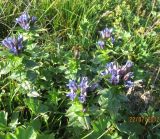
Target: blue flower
(93, 87)
(129, 84)
(72, 85)
(14, 44)
(82, 98)
(83, 85)
(112, 39)
(71, 95)
(128, 76)
(129, 64)
(101, 44)
(74, 88)
(33, 19)
(103, 73)
(24, 20)
(111, 68)
(122, 71)
(117, 73)
(114, 79)
(106, 33)
(125, 68)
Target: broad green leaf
(3, 120)
(14, 120)
(45, 136)
(36, 106)
(25, 133)
(130, 128)
(77, 117)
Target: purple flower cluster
(105, 34)
(75, 89)
(25, 20)
(14, 44)
(101, 44)
(118, 73)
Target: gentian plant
(119, 73)
(80, 89)
(25, 20)
(105, 34)
(14, 44)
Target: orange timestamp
(144, 119)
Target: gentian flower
(74, 88)
(72, 85)
(101, 44)
(103, 73)
(93, 87)
(83, 85)
(129, 64)
(128, 76)
(14, 44)
(125, 68)
(112, 39)
(111, 68)
(129, 84)
(114, 79)
(24, 20)
(33, 19)
(82, 98)
(117, 73)
(71, 95)
(106, 33)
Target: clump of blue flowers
(105, 34)
(13, 44)
(119, 73)
(80, 89)
(25, 20)
(101, 44)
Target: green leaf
(46, 136)
(30, 64)
(111, 100)
(36, 124)
(14, 120)
(10, 136)
(53, 97)
(25, 133)
(36, 106)
(32, 75)
(130, 128)
(2, 135)
(133, 136)
(77, 117)
(3, 120)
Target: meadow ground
(72, 69)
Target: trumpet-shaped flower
(13, 44)
(129, 64)
(117, 73)
(106, 33)
(71, 95)
(101, 44)
(129, 84)
(72, 85)
(24, 20)
(82, 98)
(83, 85)
(74, 89)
